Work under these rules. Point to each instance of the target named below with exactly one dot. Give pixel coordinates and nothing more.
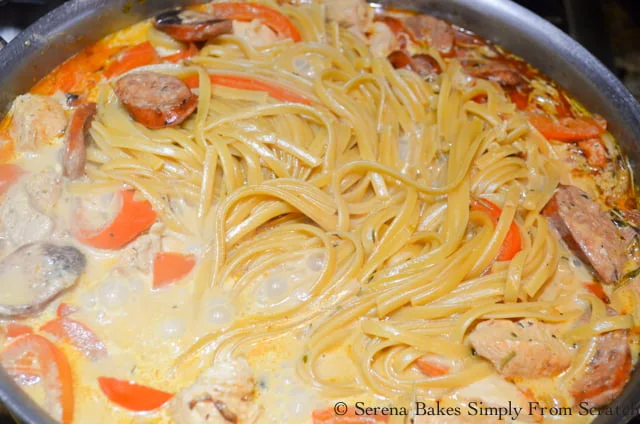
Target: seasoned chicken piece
(44, 189)
(222, 395)
(36, 120)
(36, 273)
(20, 220)
(355, 14)
(255, 33)
(494, 391)
(527, 348)
(382, 40)
(140, 252)
(589, 232)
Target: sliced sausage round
(497, 72)
(439, 34)
(608, 371)
(75, 154)
(425, 65)
(588, 232)
(156, 100)
(422, 64)
(36, 273)
(189, 26)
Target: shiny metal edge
(78, 23)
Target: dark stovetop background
(610, 29)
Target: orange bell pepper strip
(250, 11)
(77, 334)
(131, 396)
(169, 267)
(330, 416)
(253, 84)
(52, 366)
(190, 51)
(521, 100)
(80, 73)
(65, 309)
(133, 218)
(512, 243)
(140, 55)
(432, 368)
(597, 290)
(567, 129)
(16, 330)
(9, 174)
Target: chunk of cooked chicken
(140, 252)
(44, 189)
(222, 395)
(527, 348)
(255, 33)
(21, 220)
(36, 120)
(355, 14)
(382, 41)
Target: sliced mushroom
(156, 100)
(189, 26)
(34, 274)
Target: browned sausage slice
(190, 26)
(425, 65)
(156, 100)
(589, 232)
(492, 71)
(608, 370)
(422, 64)
(75, 154)
(437, 33)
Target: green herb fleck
(514, 335)
(506, 360)
(305, 358)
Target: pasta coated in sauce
(261, 209)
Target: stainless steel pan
(79, 23)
